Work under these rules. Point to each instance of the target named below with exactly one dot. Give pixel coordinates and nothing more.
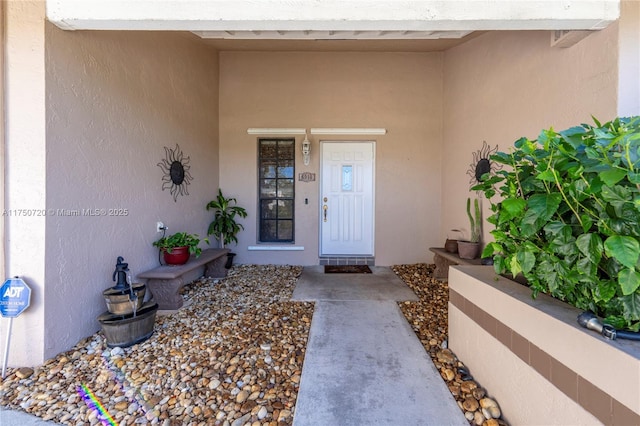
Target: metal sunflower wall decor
(175, 168)
(482, 163)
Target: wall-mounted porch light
(306, 150)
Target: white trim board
(348, 131)
(276, 131)
(275, 248)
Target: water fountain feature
(129, 318)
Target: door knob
(324, 211)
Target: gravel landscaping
(233, 356)
(429, 319)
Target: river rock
(470, 404)
(284, 415)
(242, 397)
(478, 418)
(478, 393)
(491, 412)
(24, 372)
(446, 356)
(262, 413)
(242, 420)
(468, 386)
(448, 374)
(488, 402)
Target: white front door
(346, 198)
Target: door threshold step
(347, 260)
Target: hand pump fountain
(129, 319)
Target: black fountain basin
(127, 330)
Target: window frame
(261, 198)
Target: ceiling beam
(332, 15)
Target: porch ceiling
(332, 19)
(403, 45)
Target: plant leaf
(547, 176)
(514, 266)
(541, 207)
(612, 176)
(587, 222)
(631, 304)
(605, 290)
(527, 260)
(625, 250)
(629, 281)
(614, 320)
(515, 206)
(591, 246)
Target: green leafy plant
(569, 217)
(224, 226)
(475, 222)
(180, 239)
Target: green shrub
(224, 226)
(568, 218)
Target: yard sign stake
(15, 297)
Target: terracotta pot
(451, 246)
(178, 256)
(468, 250)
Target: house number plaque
(307, 177)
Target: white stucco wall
(505, 85)
(401, 92)
(25, 171)
(114, 101)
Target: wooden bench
(443, 259)
(165, 281)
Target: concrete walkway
(364, 364)
(19, 418)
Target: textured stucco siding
(504, 85)
(115, 100)
(401, 92)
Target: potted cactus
(471, 249)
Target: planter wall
(534, 357)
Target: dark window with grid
(277, 168)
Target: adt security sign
(15, 297)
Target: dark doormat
(346, 269)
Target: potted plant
(568, 217)
(451, 244)
(177, 248)
(471, 248)
(224, 226)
